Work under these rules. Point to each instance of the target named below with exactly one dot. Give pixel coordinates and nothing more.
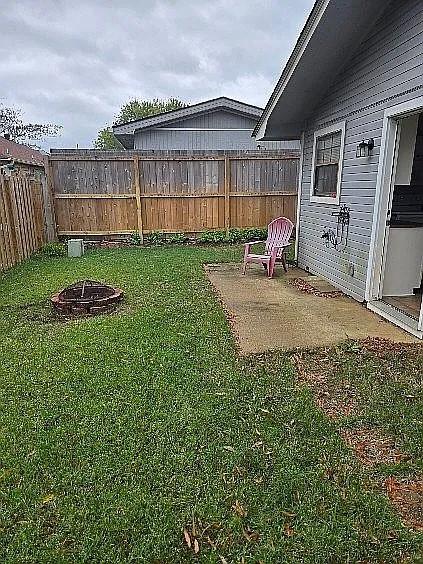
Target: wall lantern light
(365, 148)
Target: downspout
(300, 180)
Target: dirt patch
(371, 446)
(334, 400)
(407, 498)
(336, 407)
(322, 370)
(383, 347)
(324, 291)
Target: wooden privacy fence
(25, 223)
(125, 194)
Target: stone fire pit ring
(87, 297)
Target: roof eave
(307, 31)
(161, 120)
(126, 140)
(320, 55)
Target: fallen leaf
(211, 543)
(239, 509)
(288, 514)
(231, 449)
(196, 546)
(187, 538)
(49, 497)
(288, 530)
(250, 535)
(223, 560)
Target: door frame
(383, 195)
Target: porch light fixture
(365, 148)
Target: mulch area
(407, 498)
(383, 347)
(335, 401)
(308, 288)
(370, 445)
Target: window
(327, 164)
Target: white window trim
(340, 126)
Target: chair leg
(283, 258)
(271, 267)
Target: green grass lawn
(117, 432)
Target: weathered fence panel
(127, 192)
(25, 223)
(96, 215)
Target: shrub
(156, 238)
(234, 236)
(210, 237)
(54, 249)
(135, 239)
(253, 234)
(176, 238)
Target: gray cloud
(75, 63)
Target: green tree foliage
(107, 140)
(135, 109)
(11, 123)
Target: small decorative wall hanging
(338, 239)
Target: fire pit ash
(87, 297)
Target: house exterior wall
(387, 70)
(217, 130)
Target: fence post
(39, 216)
(138, 197)
(16, 219)
(227, 195)
(49, 200)
(8, 251)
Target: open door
(403, 262)
(398, 283)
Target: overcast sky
(74, 63)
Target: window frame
(335, 128)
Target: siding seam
(376, 104)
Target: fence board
(86, 215)
(24, 221)
(257, 211)
(108, 194)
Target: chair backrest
(278, 233)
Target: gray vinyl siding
(386, 70)
(217, 119)
(165, 140)
(219, 136)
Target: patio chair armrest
(282, 246)
(277, 248)
(253, 243)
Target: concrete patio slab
(271, 314)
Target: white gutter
(299, 184)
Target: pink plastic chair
(278, 234)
